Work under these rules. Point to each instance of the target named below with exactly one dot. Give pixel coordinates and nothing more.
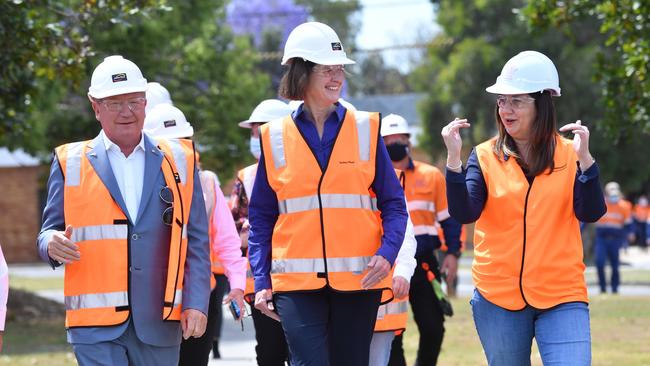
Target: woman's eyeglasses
(515, 102)
(168, 197)
(329, 71)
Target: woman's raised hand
(451, 136)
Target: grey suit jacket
(149, 249)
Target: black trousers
(196, 351)
(326, 327)
(427, 315)
(271, 348)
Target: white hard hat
(315, 42)
(157, 94)
(168, 122)
(527, 72)
(394, 124)
(114, 76)
(613, 189)
(266, 111)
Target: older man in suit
(125, 214)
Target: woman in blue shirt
(327, 301)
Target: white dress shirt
(128, 172)
(405, 263)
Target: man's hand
(400, 287)
(193, 323)
(378, 269)
(264, 303)
(236, 295)
(450, 267)
(61, 248)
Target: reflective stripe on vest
(400, 307)
(73, 164)
(179, 159)
(315, 265)
(421, 205)
(101, 300)
(99, 232)
(425, 230)
(299, 204)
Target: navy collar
(300, 114)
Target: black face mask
(397, 151)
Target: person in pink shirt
(169, 122)
(4, 292)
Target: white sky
(385, 23)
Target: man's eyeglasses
(329, 71)
(135, 104)
(515, 102)
(168, 197)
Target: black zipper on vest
(523, 251)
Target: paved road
(238, 348)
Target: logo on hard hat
(336, 46)
(119, 77)
(170, 123)
(393, 125)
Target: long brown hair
(542, 137)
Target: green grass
(41, 342)
(36, 284)
(618, 331)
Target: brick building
(21, 178)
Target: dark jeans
(326, 327)
(607, 249)
(196, 351)
(427, 315)
(271, 348)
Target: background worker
(116, 213)
(527, 188)
(424, 187)
(156, 94)
(612, 231)
(169, 122)
(271, 348)
(318, 252)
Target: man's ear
(95, 106)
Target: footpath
(237, 347)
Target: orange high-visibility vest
(392, 317)
(617, 216)
(640, 213)
(426, 197)
(96, 289)
(528, 249)
(327, 230)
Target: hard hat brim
(249, 124)
(326, 62)
(506, 89)
(120, 91)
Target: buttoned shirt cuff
(262, 283)
(591, 173)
